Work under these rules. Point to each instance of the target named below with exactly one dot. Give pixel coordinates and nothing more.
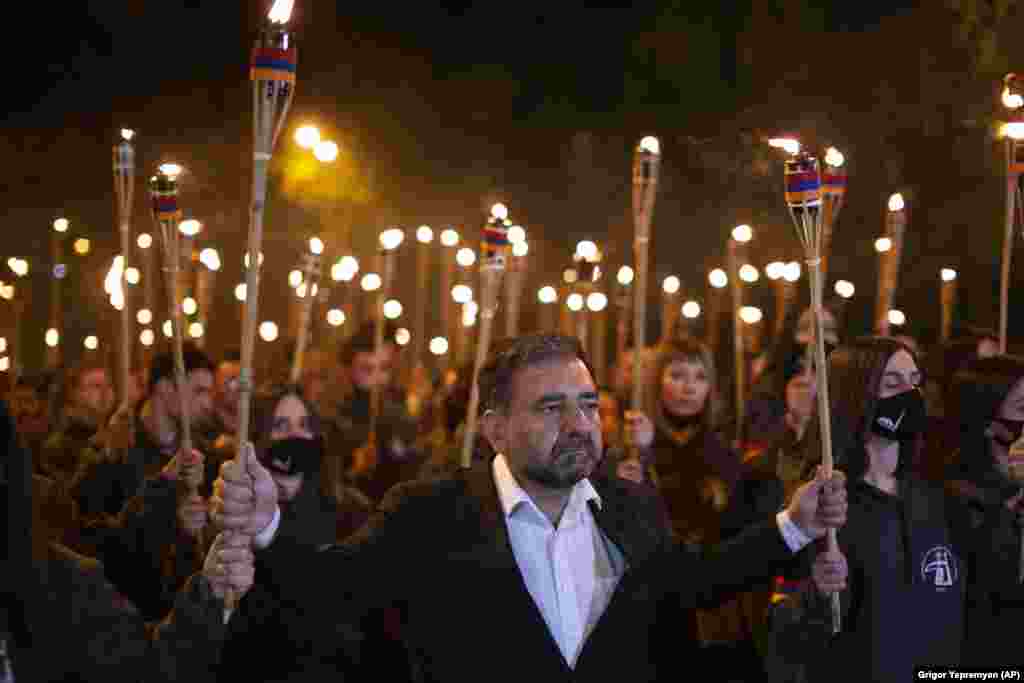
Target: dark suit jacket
(439, 549)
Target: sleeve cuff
(264, 538)
(792, 534)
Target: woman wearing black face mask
(908, 546)
(988, 400)
(288, 441)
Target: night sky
(450, 106)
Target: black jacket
(439, 549)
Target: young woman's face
(684, 388)
(901, 374)
(291, 421)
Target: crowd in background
(933, 542)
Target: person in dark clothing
(289, 442)
(771, 474)
(988, 400)
(569, 570)
(686, 460)
(909, 547)
(111, 473)
(89, 402)
(395, 458)
(61, 620)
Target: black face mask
(1014, 427)
(900, 417)
(294, 456)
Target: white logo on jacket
(939, 567)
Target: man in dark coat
(527, 567)
(62, 620)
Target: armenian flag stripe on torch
(833, 181)
(494, 246)
(273, 64)
(165, 207)
(803, 183)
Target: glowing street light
(671, 284)
(306, 137)
(402, 336)
(597, 301)
(325, 151)
(625, 276)
(547, 295)
(91, 342)
(575, 302)
(147, 337)
(144, 316)
(520, 249)
(462, 294)
(144, 240)
(424, 235)
(691, 310)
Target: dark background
(443, 108)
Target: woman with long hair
(909, 547)
(684, 457)
(988, 400)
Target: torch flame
(651, 145)
(833, 157)
(281, 11)
(789, 145)
(127, 134)
(896, 202)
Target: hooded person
(53, 596)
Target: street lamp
(307, 136)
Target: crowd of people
(588, 538)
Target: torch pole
(1004, 282)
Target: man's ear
(493, 426)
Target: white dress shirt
(570, 571)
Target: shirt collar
(512, 495)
